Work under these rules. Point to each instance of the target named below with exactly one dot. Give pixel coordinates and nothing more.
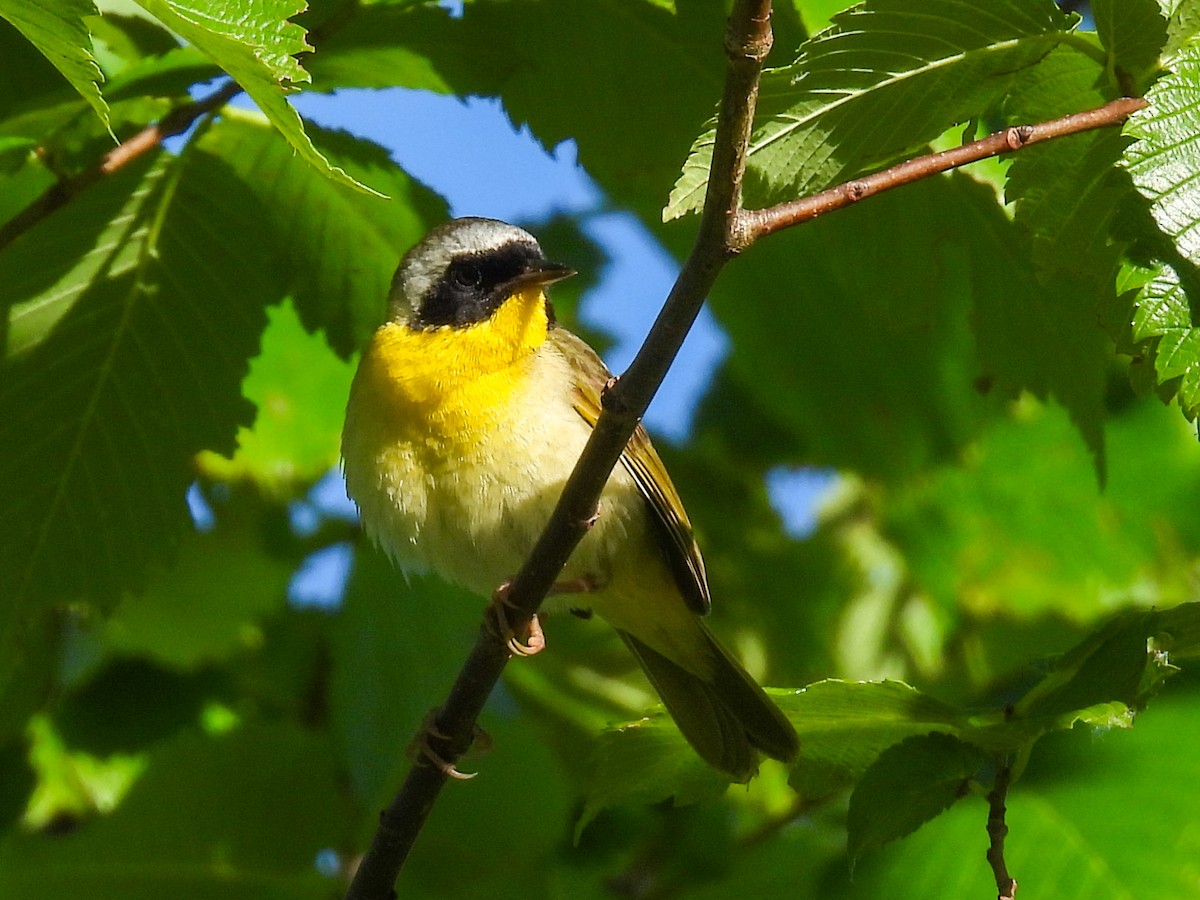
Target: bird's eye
(466, 275)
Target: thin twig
(997, 829)
(759, 223)
(177, 121)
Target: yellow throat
(455, 381)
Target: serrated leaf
(645, 762)
(338, 250)
(1161, 163)
(1183, 24)
(132, 317)
(1164, 314)
(877, 83)
(257, 45)
(1132, 31)
(909, 784)
(57, 29)
(1126, 661)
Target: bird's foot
(422, 753)
(497, 619)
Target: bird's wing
(642, 461)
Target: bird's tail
(725, 718)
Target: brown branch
(149, 138)
(997, 829)
(748, 38)
(761, 222)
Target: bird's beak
(539, 276)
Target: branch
(747, 40)
(759, 223)
(177, 121)
(997, 829)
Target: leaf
(877, 83)
(257, 45)
(337, 250)
(854, 332)
(1127, 660)
(57, 29)
(132, 317)
(1076, 797)
(299, 387)
(645, 762)
(1133, 32)
(208, 605)
(211, 816)
(909, 784)
(1168, 135)
(1183, 24)
(844, 726)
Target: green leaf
(878, 82)
(212, 816)
(1183, 24)
(207, 606)
(131, 320)
(300, 388)
(257, 45)
(337, 250)
(1082, 795)
(844, 726)
(1168, 135)
(57, 29)
(406, 641)
(1132, 31)
(908, 785)
(645, 762)
(870, 362)
(1127, 660)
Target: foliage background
(983, 378)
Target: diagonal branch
(725, 230)
(747, 40)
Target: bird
(468, 411)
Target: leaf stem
(177, 121)
(759, 223)
(997, 829)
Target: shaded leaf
(909, 784)
(336, 250)
(646, 762)
(210, 816)
(129, 335)
(844, 726)
(1132, 31)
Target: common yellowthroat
(468, 412)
